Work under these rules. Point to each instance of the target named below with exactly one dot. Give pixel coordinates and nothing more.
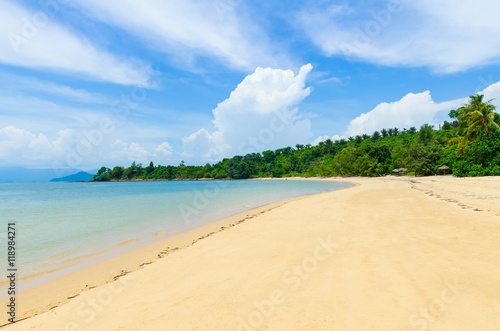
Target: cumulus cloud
(34, 40)
(411, 110)
(261, 113)
(324, 138)
(492, 92)
(18, 144)
(123, 153)
(190, 29)
(164, 149)
(445, 37)
(74, 149)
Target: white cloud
(492, 92)
(31, 84)
(190, 29)
(34, 40)
(324, 138)
(259, 114)
(123, 153)
(411, 110)
(74, 149)
(18, 144)
(164, 149)
(129, 152)
(448, 36)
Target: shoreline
(198, 179)
(385, 250)
(72, 280)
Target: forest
(469, 145)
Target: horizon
(93, 84)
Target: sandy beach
(391, 253)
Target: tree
(482, 119)
(423, 159)
(446, 126)
(376, 135)
(384, 133)
(102, 174)
(476, 117)
(150, 168)
(426, 134)
(102, 171)
(117, 173)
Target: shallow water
(59, 222)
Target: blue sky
(91, 83)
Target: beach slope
(387, 254)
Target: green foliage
(426, 134)
(476, 118)
(421, 152)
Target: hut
(444, 169)
(400, 171)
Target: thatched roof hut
(400, 170)
(444, 169)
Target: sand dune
(388, 254)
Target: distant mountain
(78, 177)
(25, 175)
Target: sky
(88, 83)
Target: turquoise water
(58, 222)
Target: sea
(60, 225)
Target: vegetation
(469, 145)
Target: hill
(78, 177)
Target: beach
(390, 253)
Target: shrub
(493, 170)
(476, 170)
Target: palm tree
(482, 119)
(476, 117)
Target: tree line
(469, 145)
